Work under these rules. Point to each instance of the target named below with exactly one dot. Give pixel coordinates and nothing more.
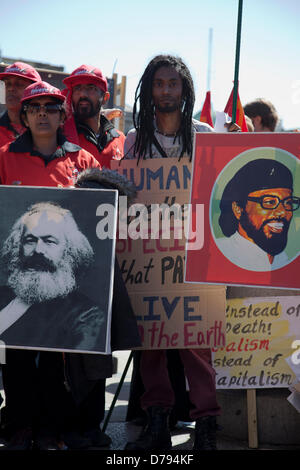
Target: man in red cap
(16, 78)
(87, 93)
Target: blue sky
(124, 35)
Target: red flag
(69, 128)
(206, 111)
(240, 115)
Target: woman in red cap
(42, 156)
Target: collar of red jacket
(107, 133)
(6, 122)
(24, 144)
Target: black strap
(159, 147)
(6, 122)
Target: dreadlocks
(143, 118)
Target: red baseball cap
(86, 74)
(38, 89)
(20, 69)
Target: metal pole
(210, 35)
(117, 392)
(237, 61)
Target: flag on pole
(205, 115)
(69, 128)
(240, 115)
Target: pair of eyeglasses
(49, 108)
(272, 202)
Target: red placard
(243, 164)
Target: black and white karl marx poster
(56, 268)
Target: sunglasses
(49, 108)
(272, 202)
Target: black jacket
(72, 322)
(83, 370)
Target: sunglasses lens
(50, 108)
(33, 108)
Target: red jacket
(7, 131)
(20, 164)
(109, 145)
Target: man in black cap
(256, 210)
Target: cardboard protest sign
(262, 347)
(250, 187)
(150, 250)
(57, 268)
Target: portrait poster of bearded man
(56, 273)
(249, 187)
(257, 208)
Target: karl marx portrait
(41, 306)
(257, 207)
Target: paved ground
(121, 432)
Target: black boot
(21, 440)
(156, 435)
(205, 433)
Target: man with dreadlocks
(164, 127)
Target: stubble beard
(87, 112)
(168, 108)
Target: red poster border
(208, 265)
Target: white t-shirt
(172, 146)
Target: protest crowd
(54, 138)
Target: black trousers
(34, 389)
(36, 395)
(89, 413)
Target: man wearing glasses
(257, 207)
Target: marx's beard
(87, 111)
(37, 279)
(273, 245)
